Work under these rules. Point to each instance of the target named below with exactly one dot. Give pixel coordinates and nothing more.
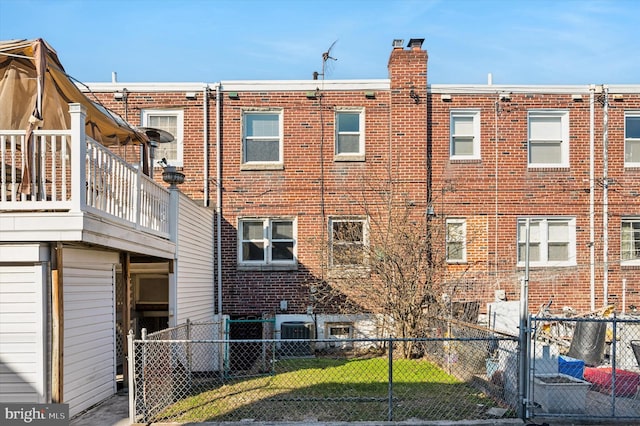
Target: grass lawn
(326, 389)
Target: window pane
(262, 150)
(632, 151)
(558, 231)
(348, 144)
(350, 254)
(454, 251)
(282, 250)
(262, 125)
(545, 128)
(545, 152)
(253, 251)
(252, 230)
(347, 231)
(632, 127)
(282, 230)
(534, 232)
(168, 123)
(462, 126)
(534, 252)
(462, 145)
(348, 122)
(558, 252)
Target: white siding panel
(22, 356)
(195, 293)
(89, 327)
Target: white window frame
(462, 239)
(541, 238)
(627, 258)
(564, 137)
(267, 241)
(628, 140)
(263, 165)
(350, 156)
(475, 116)
(364, 242)
(178, 137)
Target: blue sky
(518, 42)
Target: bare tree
(382, 260)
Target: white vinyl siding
(22, 337)
(465, 135)
(632, 139)
(89, 327)
(548, 139)
(196, 297)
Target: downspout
(592, 214)
(205, 143)
(218, 200)
(605, 195)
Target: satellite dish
(157, 135)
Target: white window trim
(544, 243)
(564, 145)
(365, 242)
(360, 155)
(263, 165)
(475, 114)
(268, 262)
(179, 113)
(464, 240)
(627, 262)
(629, 163)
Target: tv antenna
(325, 57)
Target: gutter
(218, 206)
(205, 144)
(592, 248)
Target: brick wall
(407, 149)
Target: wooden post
(57, 322)
(78, 157)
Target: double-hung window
(548, 138)
(349, 135)
(630, 241)
(632, 139)
(456, 240)
(262, 145)
(465, 135)
(171, 121)
(552, 241)
(348, 242)
(267, 241)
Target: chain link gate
(183, 375)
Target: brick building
(286, 164)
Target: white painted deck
(61, 185)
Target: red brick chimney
(408, 75)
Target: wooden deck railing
(64, 170)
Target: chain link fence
(185, 374)
(585, 367)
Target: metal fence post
(390, 412)
(613, 365)
(132, 383)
